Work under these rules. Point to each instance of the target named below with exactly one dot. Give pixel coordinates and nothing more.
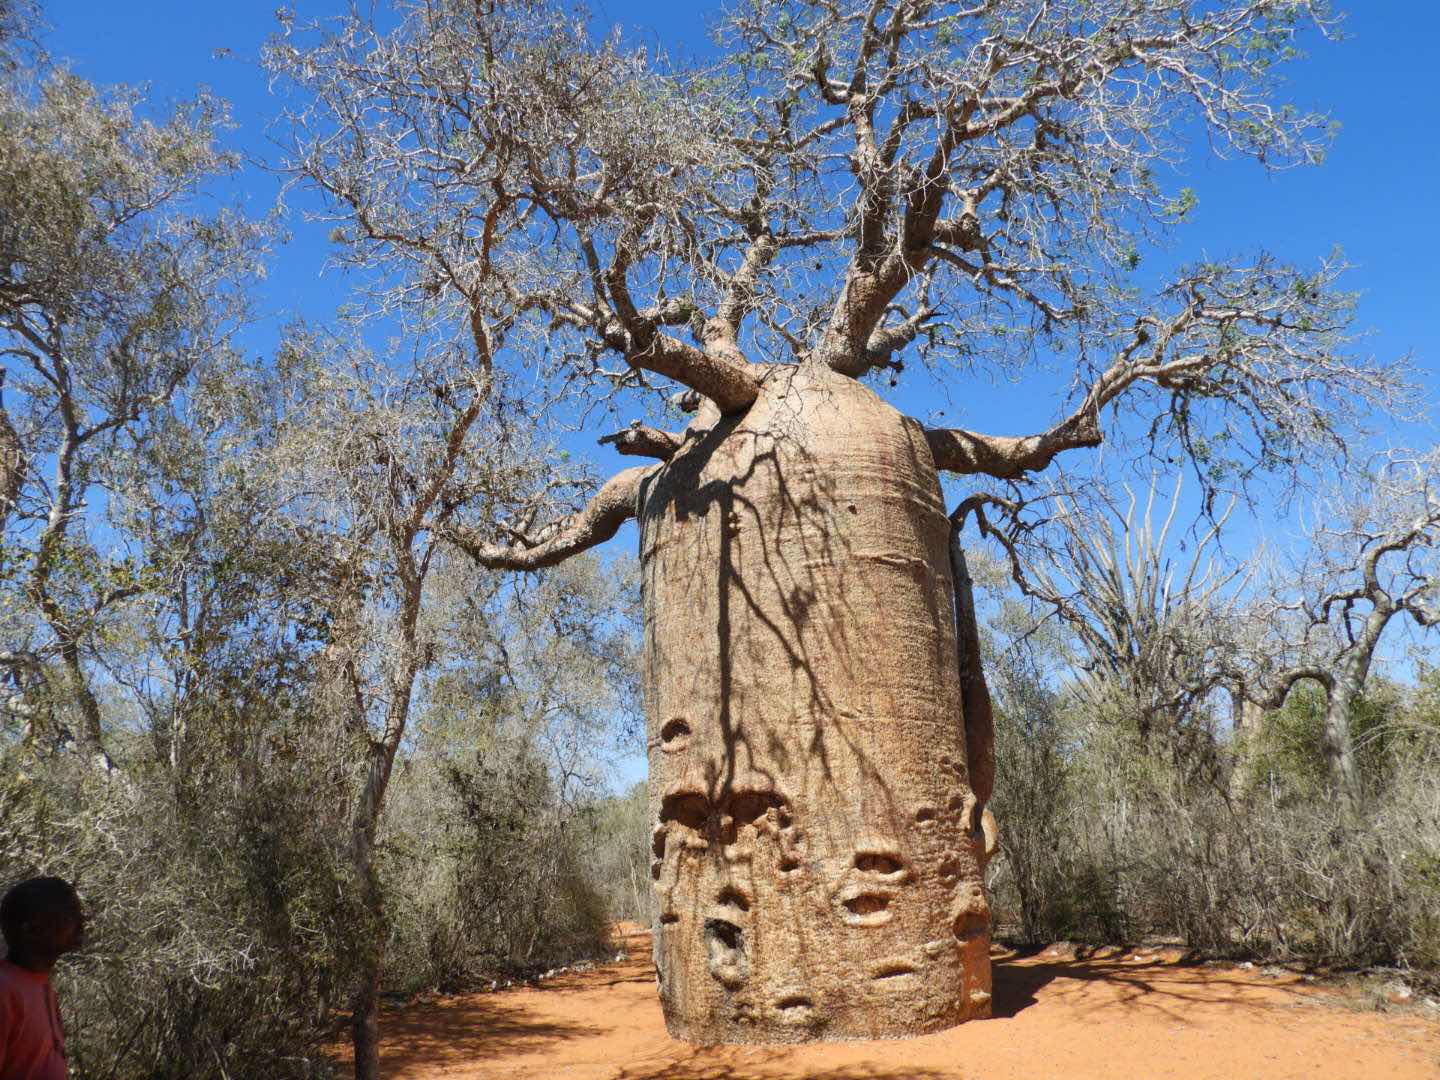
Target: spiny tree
(1155, 631)
(852, 185)
(117, 284)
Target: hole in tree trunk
(894, 971)
(675, 734)
(734, 898)
(726, 935)
(748, 808)
(725, 946)
(867, 904)
(686, 808)
(876, 862)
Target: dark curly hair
(27, 899)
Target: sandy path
(1127, 1018)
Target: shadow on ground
(1087, 1012)
(464, 1029)
(1138, 985)
(710, 1063)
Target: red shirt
(32, 1042)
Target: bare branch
(638, 440)
(598, 521)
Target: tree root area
(1138, 1015)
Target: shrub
(486, 873)
(1108, 840)
(216, 937)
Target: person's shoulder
(17, 992)
(12, 990)
(14, 980)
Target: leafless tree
(1370, 560)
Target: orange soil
(1135, 1016)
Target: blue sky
(1376, 197)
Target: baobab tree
(769, 240)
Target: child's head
(42, 920)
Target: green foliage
(486, 874)
(217, 936)
(1286, 754)
(1180, 207)
(620, 855)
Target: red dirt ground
(1135, 1016)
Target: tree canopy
(872, 186)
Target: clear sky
(1377, 197)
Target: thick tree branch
(886, 341)
(1009, 457)
(638, 440)
(733, 385)
(1277, 688)
(598, 521)
(722, 332)
(723, 376)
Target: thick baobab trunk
(818, 849)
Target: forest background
(186, 765)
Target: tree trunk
(818, 850)
(1246, 720)
(365, 1003)
(979, 719)
(365, 1018)
(90, 737)
(1337, 745)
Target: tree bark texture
(1338, 744)
(818, 850)
(1247, 719)
(365, 1003)
(365, 1019)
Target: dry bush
(216, 937)
(486, 873)
(619, 862)
(1106, 840)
